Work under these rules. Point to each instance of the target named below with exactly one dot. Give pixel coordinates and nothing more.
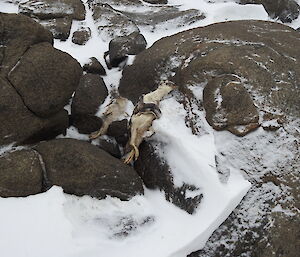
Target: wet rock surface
(83, 169)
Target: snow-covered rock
(84, 169)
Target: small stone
(81, 36)
(94, 66)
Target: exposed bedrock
(84, 169)
(256, 61)
(36, 82)
(284, 10)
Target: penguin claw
(95, 134)
(129, 157)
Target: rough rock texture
(52, 9)
(229, 105)
(111, 23)
(116, 18)
(81, 36)
(89, 95)
(45, 78)
(60, 27)
(110, 146)
(120, 47)
(18, 124)
(119, 130)
(165, 16)
(260, 54)
(94, 66)
(284, 10)
(81, 168)
(17, 34)
(156, 174)
(266, 222)
(20, 174)
(35, 79)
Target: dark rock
(228, 105)
(17, 34)
(83, 169)
(18, 124)
(94, 66)
(50, 128)
(246, 49)
(60, 27)
(156, 174)
(81, 36)
(111, 147)
(52, 9)
(120, 47)
(20, 174)
(284, 10)
(86, 123)
(119, 130)
(89, 95)
(111, 22)
(45, 78)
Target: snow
(57, 224)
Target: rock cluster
(36, 80)
(55, 15)
(247, 73)
(241, 71)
